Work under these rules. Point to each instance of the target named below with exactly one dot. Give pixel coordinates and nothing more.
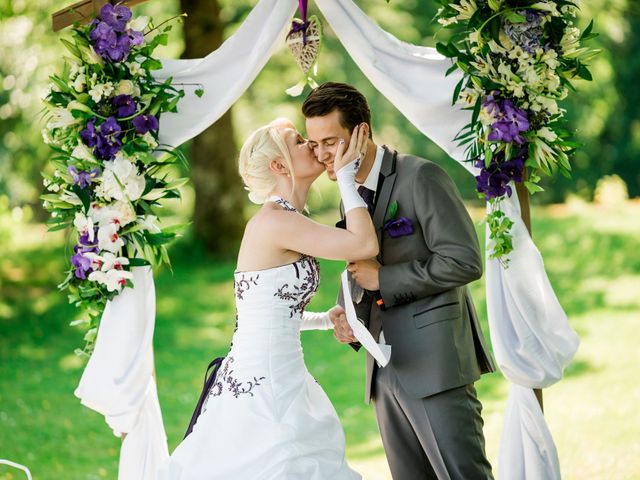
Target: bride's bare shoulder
(270, 219)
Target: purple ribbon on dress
(209, 380)
(296, 26)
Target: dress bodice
(276, 297)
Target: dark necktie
(367, 195)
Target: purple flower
(399, 227)
(82, 263)
(89, 135)
(103, 34)
(109, 142)
(144, 123)
(510, 121)
(125, 105)
(108, 44)
(528, 33)
(135, 37)
(493, 180)
(115, 16)
(83, 178)
(85, 245)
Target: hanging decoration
(304, 41)
(106, 175)
(518, 59)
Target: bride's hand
(356, 150)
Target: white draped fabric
(118, 380)
(532, 339)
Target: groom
(415, 299)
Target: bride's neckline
(287, 206)
(282, 202)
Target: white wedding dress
(265, 417)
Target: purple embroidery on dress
(244, 284)
(286, 205)
(235, 386)
(301, 294)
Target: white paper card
(381, 352)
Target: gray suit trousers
(410, 426)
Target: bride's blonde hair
(264, 145)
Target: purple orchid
(510, 121)
(109, 139)
(81, 263)
(108, 44)
(83, 178)
(90, 135)
(125, 105)
(399, 227)
(493, 180)
(85, 245)
(115, 16)
(144, 123)
(135, 37)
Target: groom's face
(324, 133)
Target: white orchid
(108, 238)
(149, 222)
(114, 279)
(84, 225)
(121, 180)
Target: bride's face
(305, 165)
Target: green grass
(593, 260)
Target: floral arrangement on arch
(518, 59)
(108, 171)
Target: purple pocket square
(399, 227)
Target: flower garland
(518, 58)
(102, 116)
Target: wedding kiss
(263, 416)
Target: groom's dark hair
(330, 96)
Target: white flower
(61, 117)
(135, 68)
(96, 93)
(108, 238)
(121, 213)
(82, 152)
(84, 225)
(466, 8)
(90, 56)
(134, 187)
(138, 23)
(150, 140)
(547, 134)
(547, 6)
(148, 222)
(127, 87)
(114, 279)
(108, 261)
(80, 83)
(550, 57)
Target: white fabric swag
(530, 333)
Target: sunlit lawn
(593, 259)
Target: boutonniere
(397, 227)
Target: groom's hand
(365, 273)
(341, 329)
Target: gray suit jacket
(429, 317)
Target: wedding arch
(531, 336)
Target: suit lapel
(388, 174)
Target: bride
(265, 417)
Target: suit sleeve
(449, 235)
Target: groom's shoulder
(408, 164)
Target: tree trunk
(219, 197)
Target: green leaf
(393, 210)
(199, 92)
(514, 17)
(532, 187)
(84, 197)
(138, 262)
